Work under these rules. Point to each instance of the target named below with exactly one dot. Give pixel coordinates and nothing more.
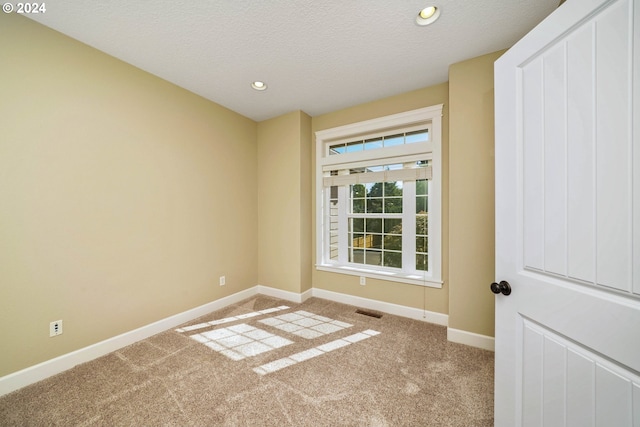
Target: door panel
(613, 32)
(576, 210)
(580, 387)
(581, 154)
(636, 151)
(533, 212)
(553, 172)
(568, 219)
(569, 385)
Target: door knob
(503, 288)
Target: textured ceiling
(316, 56)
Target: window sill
(411, 279)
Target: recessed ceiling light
(258, 85)
(428, 15)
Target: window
(378, 198)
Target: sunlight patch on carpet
(304, 324)
(276, 365)
(230, 319)
(240, 341)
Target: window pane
(355, 146)
(422, 262)
(374, 241)
(393, 205)
(374, 205)
(373, 257)
(358, 206)
(422, 224)
(392, 189)
(372, 144)
(333, 194)
(393, 167)
(422, 244)
(374, 189)
(337, 149)
(393, 226)
(358, 240)
(357, 225)
(374, 225)
(421, 204)
(417, 136)
(333, 223)
(333, 241)
(390, 141)
(393, 243)
(333, 215)
(358, 191)
(357, 256)
(422, 187)
(333, 252)
(393, 259)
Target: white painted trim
(407, 118)
(385, 307)
(431, 116)
(285, 295)
(67, 361)
(307, 294)
(373, 274)
(470, 338)
(43, 370)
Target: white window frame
(428, 117)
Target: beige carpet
(269, 362)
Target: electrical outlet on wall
(223, 280)
(363, 280)
(55, 328)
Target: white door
(568, 220)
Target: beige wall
(306, 199)
(283, 202)
(123, 198)
(468, 198)
(471, 195)
(393, 292)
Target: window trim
(428, 117)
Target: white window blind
(412, 174)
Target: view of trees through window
(422, 222)
(375, 224)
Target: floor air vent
(369, 313)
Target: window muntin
(376, 198)
(333, 223)
(375, 224)
(422, 229)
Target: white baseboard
(385, 307)
(469, 338)
(43, 370)
(285, 295)
(67, 361)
